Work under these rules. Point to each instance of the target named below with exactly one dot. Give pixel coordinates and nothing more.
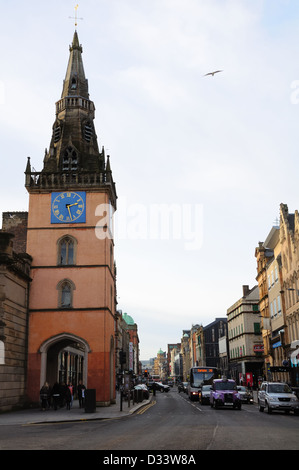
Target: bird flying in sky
(213, 73)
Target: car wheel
(261, 408)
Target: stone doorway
(64, 358)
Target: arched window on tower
(74, 84)
(70, 159)
(65, 293)
(66, 255)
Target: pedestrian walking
(67, 396)
(56, 395)
(71, 388)
(44, 395)
(81, 393)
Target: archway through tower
(64, 358)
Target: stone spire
(75, 83)
(74, 145)
(73, 159)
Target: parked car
(162, 387)
(245, 394)
(277, 396)
(204, 395)
(224, 393)
(144, 389)
(182, 387)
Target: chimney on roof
(245, 290)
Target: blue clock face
(68, 207)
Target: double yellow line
(145, 408)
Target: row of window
(275, 307)
(272, 278)
(243, 308)
(237, 352)
(238, 330)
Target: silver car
(277, 396)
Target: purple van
(224, 393)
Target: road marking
(145, 408)
(213, 437)
(192, 404)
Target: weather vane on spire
(76, 16)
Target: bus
(199, 376)
(155, 378)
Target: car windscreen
(224, 385)
(279, 388)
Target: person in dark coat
(81, 391)
(56, 395)
(44, 395)
(67, 396)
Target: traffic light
(145, 373)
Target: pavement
(38, 416)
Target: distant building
(134, 363)
(212, 333)
(245, 339)
(185, 352)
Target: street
(171, 422)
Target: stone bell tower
(72, 199)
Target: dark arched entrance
(64, 358)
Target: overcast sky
(213, 156)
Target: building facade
(134, 360)
(14, 291)
(276, 365)
(245, 339)
(72, 302)
(289, 240)
(197, 346)
(212, 333)
(185, 353)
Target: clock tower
(72, 302)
